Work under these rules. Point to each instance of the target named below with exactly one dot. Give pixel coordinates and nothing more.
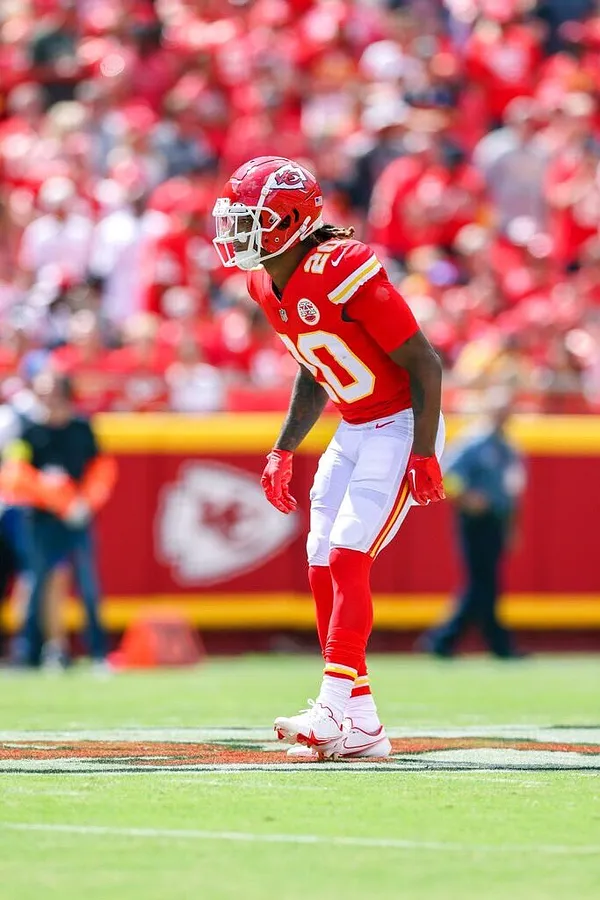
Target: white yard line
(312, 839)
(573, 735)
(45, 792)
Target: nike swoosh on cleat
(362, 746)
(315, 742)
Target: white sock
(363, 712)
(335, 692)
(361, 707)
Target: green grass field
(431, 831)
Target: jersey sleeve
(349, 267)
(383, 313)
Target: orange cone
(159, 640)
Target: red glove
(425, 479)
(276, 478)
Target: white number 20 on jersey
(363, 380)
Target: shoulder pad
(345, 266)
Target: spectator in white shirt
(118, 244)
(59, 238)
(194, 385)
(513, 161)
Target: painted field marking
(237, 750)
(331, 840)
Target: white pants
(360, 497)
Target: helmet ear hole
(286, 223)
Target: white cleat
(314, 727)
(357, 743)
(354, 743)
(301, 751)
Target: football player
(358, 344)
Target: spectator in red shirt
(15, 342)
(573, 194)
(86, 361)
(502, 54)
(180, 90)
(139, 369)
(425, 198)
(183, 256)
(155, 70)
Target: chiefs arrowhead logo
(214, 523)
(289, 177)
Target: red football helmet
(268, 205)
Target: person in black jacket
(56, 471)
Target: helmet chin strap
(247, 259)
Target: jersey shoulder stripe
(344, 291)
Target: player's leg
(374, 504)
(366, 505)
(400, 512)
(375, 491)
(329, 488)
(331, 480)
(373, 509)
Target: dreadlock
(329, 233)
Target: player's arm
(422, 363)
(387, 318)
(25, 485)
(419, 359)
(306, 405)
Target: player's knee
(317, 549)
(322, 483)
(348, 532)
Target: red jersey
(142, 385)
(503, 63)
(417, 205)
(178, 258)
(93, 381)
(340, 317)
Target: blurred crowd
(461, 138)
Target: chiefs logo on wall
(214, 523)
